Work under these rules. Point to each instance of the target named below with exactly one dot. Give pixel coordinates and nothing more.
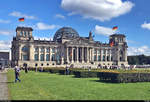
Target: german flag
(112, 44)
(115, 28)
(21, 19)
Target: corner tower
(24, 33)
(119, 49)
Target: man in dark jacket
(17, 70)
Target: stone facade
(67, 48)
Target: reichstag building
(67, 48)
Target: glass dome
(65, 32)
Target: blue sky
(99, 16)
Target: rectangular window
(53, 50)
(47, 50)
(94, 51)
(107, 58)
(42, 57)
(53, 57)
(42, 49)
(25, 57)
(99, 58)
(36, 49)
(103, 58)
(25, 33)
(47, 57)
(111, 58)
(94, 57)
(36, 57)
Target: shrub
(124, 77)
(85, 74)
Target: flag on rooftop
(115, 28)
(21, 19)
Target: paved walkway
(3, 86)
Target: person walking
(17, 70)
(67, 70)
(26, 69)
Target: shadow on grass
(8, 82)
(101, 81)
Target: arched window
(25, 49)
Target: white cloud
(5, 32)
(4, 21)
(5, 45)
(146, 25)
(43, 26)
(60, 16)
(139, 50)
(101, 10)
(104, 30)
(19, 14)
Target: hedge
(85, 74)
(114, 76)
(124, 77)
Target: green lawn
(46, 86)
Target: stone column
(125, 54)
(77, 55)
(82, 54)
(20, 56)
(62, 54)
(72, 57)
(67, 56)
(44, 54)
(31, 53)
(101, 54)
(118, 59)
(92, 50)
(39, 53)
(106, 55)
(109, 55)
(97, 55)
(87, 55)
(50, 54)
